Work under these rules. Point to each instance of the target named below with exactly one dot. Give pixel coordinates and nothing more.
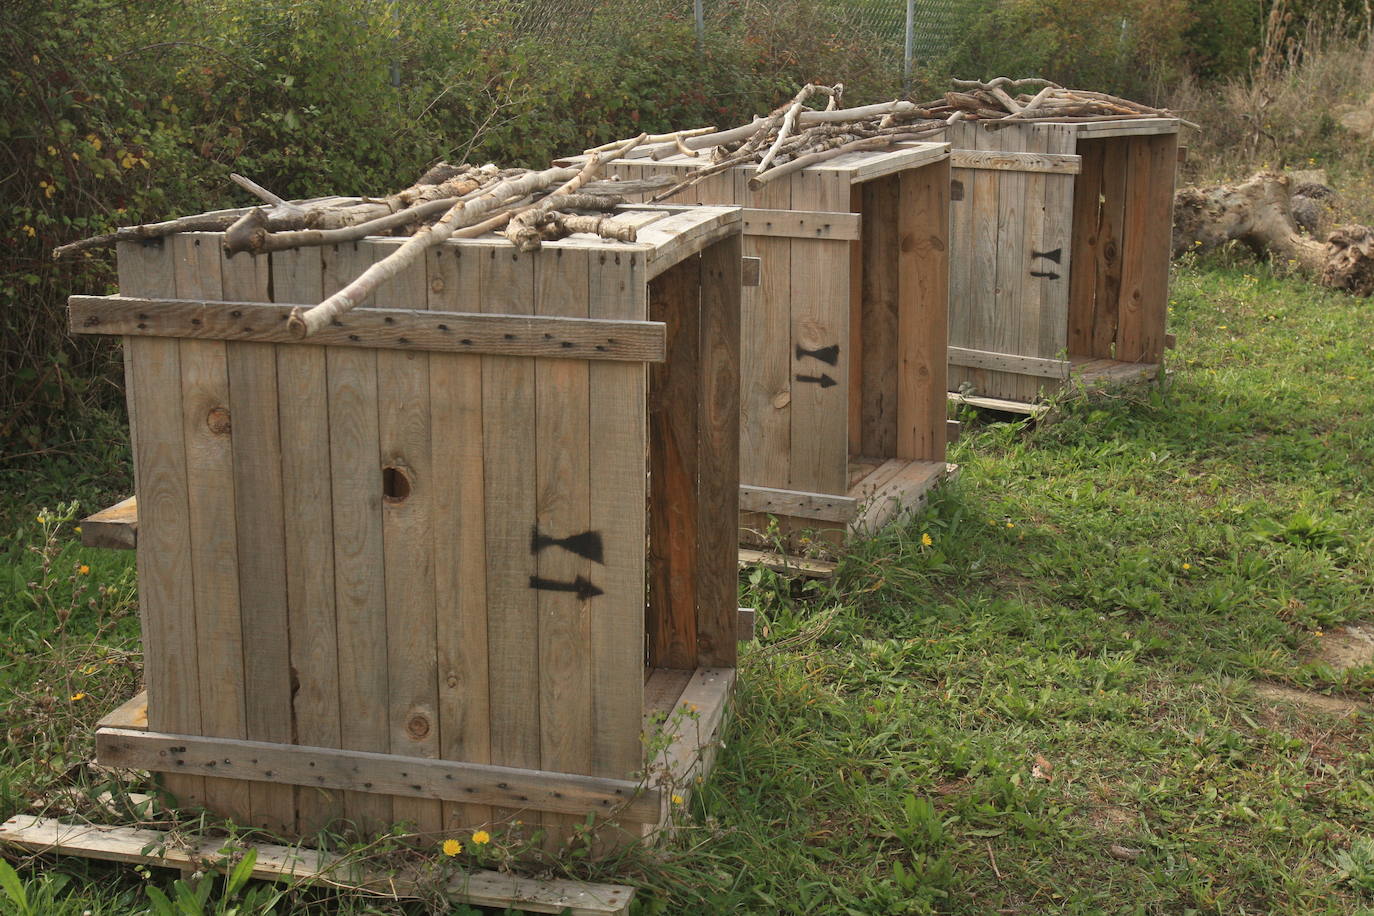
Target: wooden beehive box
(1060, 240)
(843, 417)
(398, 571)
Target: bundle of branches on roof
(791, 137)
(528, 206)
(974, 100)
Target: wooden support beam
(803, 224)
(395, 329)
(747, 623)
(795, 503)
(1054, 163)
(136, 846)
(113, 528)
(1009, 362)
(376, 773)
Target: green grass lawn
(1051, 708)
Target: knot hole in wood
(395, 483)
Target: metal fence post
(908, 53)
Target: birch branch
(756, 182)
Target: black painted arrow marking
(823, 380)
(829, 355)
(587, 544)
(1047, 274)
(1051, 255)
(579, 586)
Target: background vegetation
(978, 725)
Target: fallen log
(1258, 213)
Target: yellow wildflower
(89, 669)
(77, 529)
(926, 539)
(678, 799)
(30, 231)
(481, 838)
(452, 847)
(1010, 525)
(83, 569)
(77, 696)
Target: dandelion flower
(452, 847)
(1010, 525)
(481, 838)
(926, 539)
(77, 529)
(89, 669)
(77, 696)
(678, 799)
(83, 569)
(1187, 566)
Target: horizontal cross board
(392, 329)
(998, 160)
(806, 224)
(380, 774)
(1009, 362)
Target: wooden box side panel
(423, 554)
(1009, 239)
(1152, 162)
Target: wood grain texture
(112, 528)
(881, 301)
(823, 506)
(563, 471)
(460, 557)
(1057, 232)
(923, 312)
(404, 425)
(766, 356)
(509, 444)
(419, 778)
(717, 490)
(210, 489)
(820, 319)
(395, 328)
(619, 489)
(166, 594)
(802, 224)
(274, 863)
(308, 500)
(1009, 161)
(1152, 161)
(261, 522)
(359, 558)
(1009, 362)
(1009, 323)
(674, 298)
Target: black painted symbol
(587, 544)
(829, 355)
(823, 380)
(579, 586)
(1047, 274)
(1051, 255)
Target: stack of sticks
(533, 206)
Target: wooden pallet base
(1089, 373)
(132, 845)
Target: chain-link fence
(901, 32)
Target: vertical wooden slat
(717, 496)
(1148, 217)
(1086, 242)
(307, 498)
(166, 589)
(767, 356)
(359, 562)
(261, 539)
(923, 302)
(820, 319)
(508, 447)
(856, 326)
(210, 484)
(962, 263)
(460, 574)
(674, 299)
(563, 509)
(984, 187)
(1110, 248)
(1057, 234)
(882, 220)
(404, 424)
(619, 431)
(1010, 322)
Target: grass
(1049, 709)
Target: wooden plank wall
(392, 551)
(1011, 258)
(1122, 219)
